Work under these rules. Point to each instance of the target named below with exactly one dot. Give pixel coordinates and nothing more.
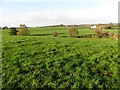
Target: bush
(13, 31)
(72, 31)
(55, 34)
(98, 33)
(23, 30)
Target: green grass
(112, 31)
(59, 62)
(0, 58)
(63, 31)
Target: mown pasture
(43, 61)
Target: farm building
(93, 26)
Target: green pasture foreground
(43, 61)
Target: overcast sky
(50, 12)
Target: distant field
(43, 61)
(47, 31)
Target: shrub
(99, 32)
(106, 34)
(13, 31)
(72, 31)
(23, 30)
(115, 36)
(55, 34)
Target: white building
(93, 26)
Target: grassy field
(43, 61)
(0, 59)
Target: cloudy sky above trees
(52, 12)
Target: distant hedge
(13, 31)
